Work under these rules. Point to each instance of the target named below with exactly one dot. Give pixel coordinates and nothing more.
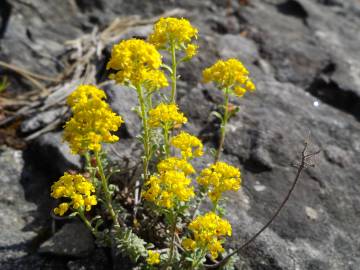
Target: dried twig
(303, 164)
(82, 69)
(28, 73)
(53, 125)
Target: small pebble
(311, 213)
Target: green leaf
(4, 84)
(73, 214)
(98, 223)
(168, 68)
(212, 151)
(130, 244)
(95, 218)
(217, 115)
(113, 188)
(164, 97)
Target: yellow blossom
(191, 51)
(77, 201)
(153, 257)
(153, 190)
(166, 115)
(175, 164)
(168, 189)
(83, 94)
(174, 31)
(77, 189)
(61, 209)
(188, 244)
(92, 121)
(90, 201)
(218, 178)
(189, 145)
(138, 62)
(154, 80)
(229, 74)
(208, 231)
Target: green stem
(224, 122)
(172, 244)
(215, 204)
(173, 74)
(199, 202)
(106, 191)
(87, 160)
(166, 141)
(198, 260)
(86, 222)
(89, 167)
(146, 136)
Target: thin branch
(300, 168)
(28, 73)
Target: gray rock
(51, 146)
(237, 46)
(41, 119)
(73, 240)
(293, 238)
(123, 100)
(303, 56)
(97, 261)
(15, 211)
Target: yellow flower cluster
(83, 94)
(218, 178)
(174, 31)
(166, 115)
(189, 145)
(75, 187)
(92, 121)
(172, 185)
(176, 164)
(230, 74)
(138, 62)
(191, 51)
(153, 257)
(208, 230)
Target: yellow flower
(138, 62)
(61, 209)
(175, 164)
(153, 190)
(230, 74)
(218, 178)
(83, 94)
(188, 244)
(154, 80)
(175, 31)
(191, 51)
(208, 231)
(189, 145)
(239, 91)
(90, 201)
(92, 121)
(166, 115)
(77, 201)
(168, 189)
(76, 188)
(153, 258)
(215, 248)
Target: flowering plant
(165, 193)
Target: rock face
(304, 58)
(15, 211)
(74, 240)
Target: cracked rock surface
(304, 58)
